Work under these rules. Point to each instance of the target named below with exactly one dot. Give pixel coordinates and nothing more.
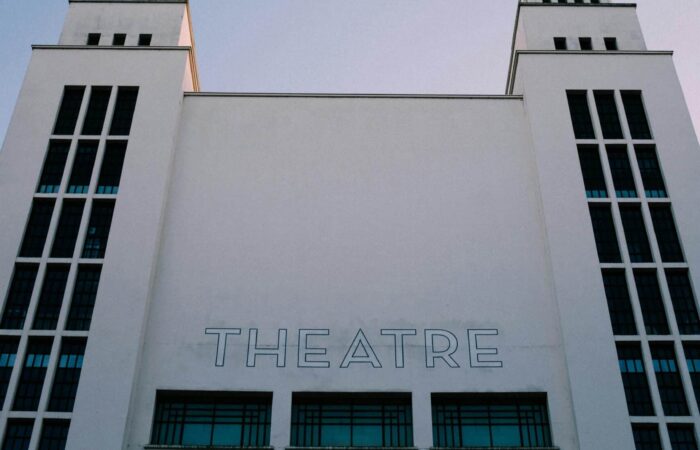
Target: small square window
(119, 39)
(560, 43)
(586, 43)
(145, 39)
(610, 43)
(93, 39)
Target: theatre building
(192, 269)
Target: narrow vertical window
(650, 301)
(635, 234)
(604, 233)
(683, 301)
(69, 110)
(51, 297)
(607, 113)
(560, 43)
(636, 116)
(124, 111)
(621, 171)
(634, 379)
(67, 377)
(67, 230)
(610, 43)
(593, 178)
(81, 174)
(646, 437)
(37, 228)
(682, 437)
(93, 39)
(19, 296)
(31, 380)
(666, 234)
(8, 354)
(83, 301)
(18, 434)
(112, 165)
(692, 360)
(619, 305)
(54, 165)
(145, 40)
(650, 169)
(119, 39)
(580, 114)
(97, 110)
(668, 378)
(98, 229)
(586, 43)
(54, 434)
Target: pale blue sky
(350, 46)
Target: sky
(350, 46)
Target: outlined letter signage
(474, 348)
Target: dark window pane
(31, 380)
(54, 164)
(650, 170)
(607, 113)
(621, 171)
(112, 164)
(124, 111)
(682, 437)
(636, 234)
(8, 354)
(593, 178)
(646, 437)
(683, 300)
(560, 43)
(119, 39)
(51, 298)
(634, 379)
(586, 43)
(67, 377)
(18, 297)
(97, 110)
(692, 360)
(68, 227)
(636, 117)
(83, 301)
(37, 228)
(98, 229)
(604, 232)
(93, 39)
(650, 301)
(145, 39)
(610, 44)
(666, 235)
(54, 434)
(580, 115)
(668, 379)
(79, 182)
(18, 434)
(69, 110)
(619, 304)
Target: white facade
(343, 244)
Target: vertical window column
(68, 227)
(668, 379)
(8, 354)
(580, 114)
(634, 379)
(69, 110)
(19, 296)
(31, 380)
(51, 298)
(67, 376)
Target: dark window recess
(683, 300)
(692, 360)
(586, 43)
(580, 114)
(97, 110)
(67, 230)
(351, 420)
(604, 233)
(98, 229)
(67, 377)
(619, 305)
(124, 111)
(83, 301)
(650, 301)
(650, 169)
(607, 113)
(93, 39)
(54, 434)
(610, 43)
(8, 354)
(560, 43)
(51, 298)
(31, 380)
(18, 434)
(634, 379)
(621, 171)
(119, 39)
(666, 235)
(54, 165)
(593, 178)
(646, 437)
(145, 39)
(69, 110)
(484, 420)
(19, 296)
(37, 228)
(212, 419)
(112, 164)
(79, 182)
(668, 378)
(635, 234)
(682, 437)
(636, 116)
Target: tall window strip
(19, 296)
(83, 301)
(8, 355)
(111, 171)
(668, 379)
(646, 437)
(67, 230)
(18, 434)
(651, 303)
(124, 111)
(54, 434)
(580, 114)
(607, 113)
(692, 360)
(636, 116)
(37, 228)
(621, 171)
(51, 298)
(69, 110)
(619, 304)
(650, 170)
(97, 110)
(31, 381)
(67, 377)
(464, 421)
(635, 233)
(683, 300)
(81, 174)
(593, 178)
(604, 233)
(682, 437)
(666, 234)
(634, 379)
(98, 229)
(54, 165)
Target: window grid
(31, 382)
(54, 434)
(67, 376)
(37, 228)
(682, 437)
(18, 434)
(54, 166)
(18, 297)
(51, 298)
(84, 294)
(668, 379)
(98, 229)
(634, 379)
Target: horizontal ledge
(195, 447)
(578, 5)
(595, 52)
(323, 95)
(110, 47)
(494, 448)
(351, 448)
